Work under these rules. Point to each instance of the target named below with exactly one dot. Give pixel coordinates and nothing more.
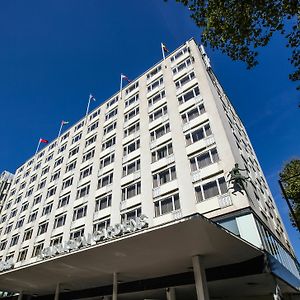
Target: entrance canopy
(153, 252)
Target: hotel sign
(105, 234)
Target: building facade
(5, 182)
(161, 149)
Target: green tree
(290, 178)
(238, 27)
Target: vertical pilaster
(57, 290)
(170, 292)
(115, 286)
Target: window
(55, 176)
(88, 155)
(182, 65)
(24, 206)
(193, 113)
(189, 94)
(22, 186)
(112, 101)
(167, 205)
(91, 140)
(132, 87)
(103, 202)
(198, 134)
(33, 178)
(86, 172)
(67, 182)
(111, 114)
(3, 219)
(37, 199)
(76, 138)
(105, 180)
(71, 166)
(155, 84)
(59, 221)
(131, 167)
(130, 147)
(179, 54)
(22, 255)
(32, 216)
(79, 212)
(162, 152)
(58, 162)
(131, 190)
(8, 228)
(158, 96)
(56, 240)
(47, 209)
(95, 114)
(83, 191)
(159, 132)
(132, 113)
(106, 160)
(63, 200)
(64, 136)
(132, 129)
(51, 191)
(13, 213)
(161, 111)
(45, 170)
(78, 232)
(109, 128)
(132, 100)
(164, 176)
(3, 245)
(93, 126)
(153, 72)
(41, 184)
(108, 143)
(18, 199)
(49, 157)
(184, 80)
(27, 234)
(103, 224)
(20, 223)
(77, 127)
(42, 228)
(29, 192)
(211, 189)
(73, 151)
(37, 249)
(8, 205)
(62, 148)
(37, 166)
(132, 214)
(14, 240)
(52, 146)
(204, 159)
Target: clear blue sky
(54, 53)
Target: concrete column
(115, 286)
(57, 290)
(200, 278)
(171, 293)
(20, 296)
(105, 298)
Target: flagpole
(61, 126)
(38, 146)
(121, 85)
(162, 50)
(88, 107)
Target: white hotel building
(154, 158)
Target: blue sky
(54, 53)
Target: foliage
(290, 177)
(239, 27)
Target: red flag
(43, 141)
(164, 47)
